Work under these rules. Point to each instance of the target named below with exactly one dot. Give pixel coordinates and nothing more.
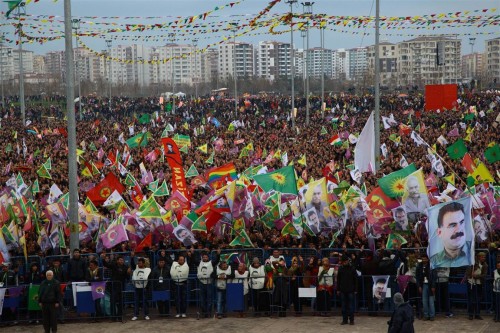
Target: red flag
(377, 197)
(146, 242)
(173, 157)
(103, 190)
(377, 214)
(468, 163)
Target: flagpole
(74, 242)
(377, 87)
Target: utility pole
(195, 44)
(292, 61)
(21, 10)
(322, 37)
(234, 28)
(304, 59)
(74, 241)
(142, 70)
(109, 42)
(171, 38)
(307, 6)
(75, 23)
(1, 66)
(377, 86)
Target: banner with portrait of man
(400, 219)
(415, 199)
(380, 290)
(451, 235)
(316, 197)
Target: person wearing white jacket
(223, 273)
(180, 273)
(496, 292)
(140, 278)
(257, 281)
(206, 275)
(241, 276)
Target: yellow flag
(277, 154)
(249, 146)
(482, 174)
(491, 144)
(443, 126)
(186, 126)
(302, 160)
(203, 148)
(450, 179)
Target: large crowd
(264, 121)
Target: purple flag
(98, 289)
(453, 132)
(100, 154)
(403, 281)
(114, 236)
(344, 135)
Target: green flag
(12, 4)
(8, 148)
(153, 186)
(62, 242)
(33, 298)
(19, 180)
(145, 119)
(210, 160)
(130, 180)
(457, 150)
(469, 116)
(92, 146)
(282, 180)
(43, 172)
(36, 187)
(394, 237)
(243, 153)
(200, 224)
(168, 107)
(162, 190)
(241, 239)
(150, 209)
(323, 131)
(289, 229)
(192, 172)
(184, 149)
(492, 154)
(334, 237)
(139, 140)
(48, 164)
(272, 215)
(64, 199)
(393, 184)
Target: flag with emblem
(104, 188)
(241, 239)
(272, 215)
(33, 303)
(114, 235)
(192, 172)
(150, 209)
(393, 239)
(139, 140)
(323, 131)
(42, 172)
(482, 175)
(162, 190)
(289, 229)
(200, 224)
(48, 164)
(450, 179)
(302, 160)
(36, 187)
(203, 148)
(394, 183)
(457, 150)
(98, 289)
(282, 180)
(492, 154)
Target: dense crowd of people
(264, 121)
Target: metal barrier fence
(163, 298)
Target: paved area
(267, 325)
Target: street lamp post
(292, 62)
(109, 42)
(142, 76)
(1, 66)
(75, 24)
(21, 10)
(195, 72)
(171, 38)
(307, 6)
(304, 60)
(322, 37)
(234, 28)
(472, 41)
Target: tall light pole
(171, 38)
(307, 6)
(322, 37)
(195, 44)
(75, 24)
(142, 80)
(109, 42)
(21, 10)
(292, 61)
(377, 86)
(1, 67)
(70, 110)
(304, 60)
(234, 28)
(472, 41)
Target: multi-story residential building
(388, 59)
(429, 60)
(357, 63)
(244, 60)
(7, 63)
(38, 64)
(27, 61)
(492, 61)
(472, 65)
(273, 60)
(209, 66)
(55, 64)
(319, 61)
(340, 62)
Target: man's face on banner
(316, 197)
(480, 230)
(413, 188)
(452, 232)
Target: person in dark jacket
(426, 282)
(119, 275)
(161, 282)
(76, 267)
(59, 275)
(347, 280)
(402, 317)
(34, 276)
(95, 274)
(49, 297)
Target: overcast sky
(166, 10)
